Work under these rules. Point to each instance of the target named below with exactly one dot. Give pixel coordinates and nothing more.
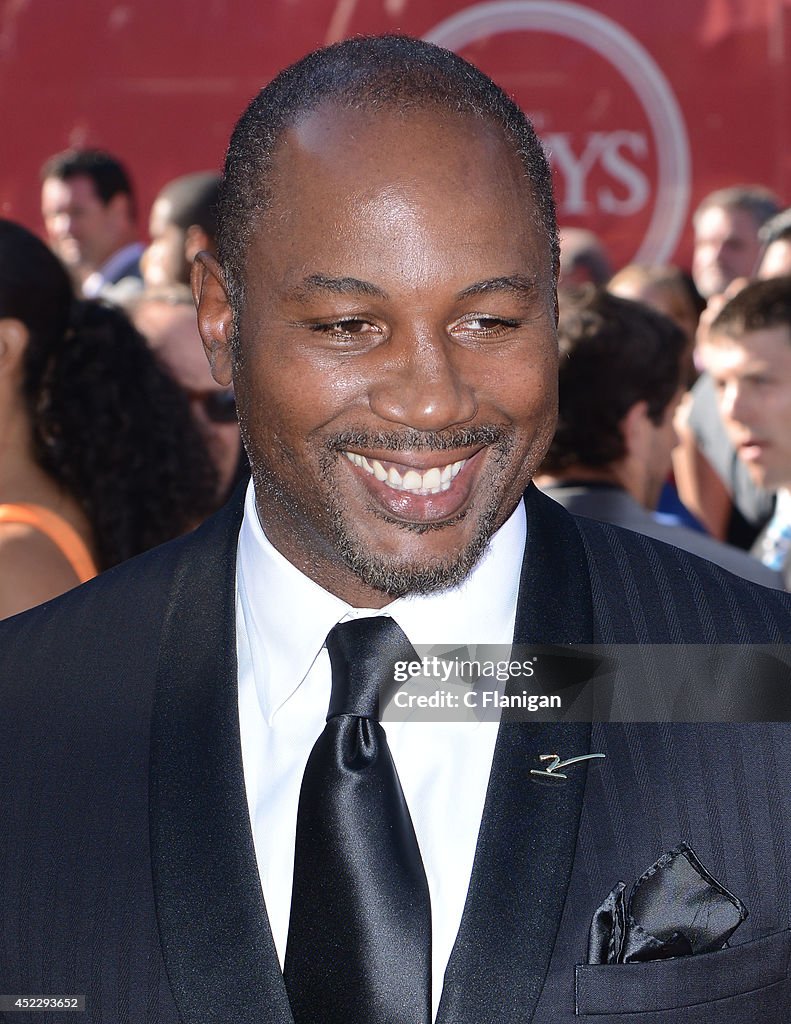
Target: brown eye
(488, 326)
(351, 326)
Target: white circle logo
(613, 44)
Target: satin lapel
(217, 945)
(528, 833)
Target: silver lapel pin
(552, 770)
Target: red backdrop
(644, 107)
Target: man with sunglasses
(166, 318)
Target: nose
(423, 385)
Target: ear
(13, 342)
(215, 319)
(196, 240)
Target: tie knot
(363, 653)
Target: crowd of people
(117, 437)
(709, 421)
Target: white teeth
(436, 480)
(432, 478)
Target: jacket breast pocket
(754, 976)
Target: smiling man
(187, 839)
(398, 346)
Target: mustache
(410, 440)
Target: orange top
(61, 533)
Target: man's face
(726, 247)
(172, 332)
(397, 367)
(164, 262)
(82, 230)
(753, 378)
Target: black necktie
(359, 936)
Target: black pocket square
(676, 908)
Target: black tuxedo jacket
(127, 868)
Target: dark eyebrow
(339, 286)
(519, 284)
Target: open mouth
(434, 480)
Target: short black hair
(613, 353)
(109, 176)
(371, 73)
(758, 306)
(193, 200)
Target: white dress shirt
(282, 620)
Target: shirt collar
(288, 616)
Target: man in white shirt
(748, 353)
(385, 488)
(89, 212)
(383, 301)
